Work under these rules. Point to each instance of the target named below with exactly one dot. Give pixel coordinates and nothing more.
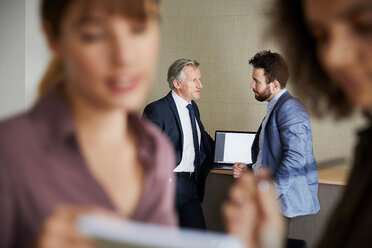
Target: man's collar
(179, 100)
(273, 101)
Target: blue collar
(273, 101)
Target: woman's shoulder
(26, 123)
(15, 127)
(17, 139)
(154, 132)
(153, 140)
(25, 132)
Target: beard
(263, 96)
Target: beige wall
(223, 35)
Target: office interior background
(221, 34)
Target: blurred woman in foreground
(82, 148)
(329, 45)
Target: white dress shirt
(188, 152)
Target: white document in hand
(236, 148)
(117, 233)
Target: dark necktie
(194, 136)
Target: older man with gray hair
(178, 116)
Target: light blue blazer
(288, 152)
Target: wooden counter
(335, 176)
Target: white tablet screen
(232, 147)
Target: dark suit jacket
(164, 114)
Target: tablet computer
(232, 147)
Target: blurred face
(109, 60)
(261, 89)
(343, 33)
(189, 89)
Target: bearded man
(283, 142)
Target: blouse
(42, 167)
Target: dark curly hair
(309, 79)
(274, 66)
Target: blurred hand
(59, 229)
(239, 169)
(252, 213)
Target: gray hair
(175, 71)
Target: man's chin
(260, 99)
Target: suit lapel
(173, 107)
(280, 101)
(255, 145)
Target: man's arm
(294, 125)
(210, 140)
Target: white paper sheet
(116, 233)
(237, 148)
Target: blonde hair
(53, 76)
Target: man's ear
(51, 39)
(276, 84)
(176, 84)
